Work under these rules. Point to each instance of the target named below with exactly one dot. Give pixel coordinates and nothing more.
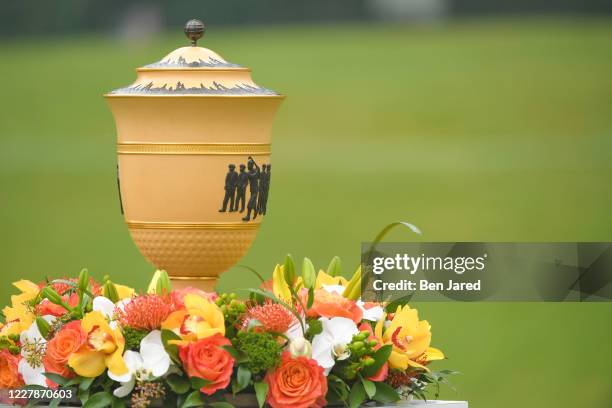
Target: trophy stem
(205, 283)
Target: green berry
(368, 361)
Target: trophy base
(205, 283)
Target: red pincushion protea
(272, 316)
(146, 312)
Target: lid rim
(112, 95)
(170, 69)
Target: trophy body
(193, 145)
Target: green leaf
(83, 280)
(309, 275)
(110, 291)
(369, 387)
(43, 327)
(85, 383)
(243, 378)
(197, 382)
(252, 270)
(310, 298)
(357, 395)
(289, 270)
(179, 385)
(385, 393)
(381, 356)
(54, 403)
(99, 400)
(118, 403)
(340, 390)
(221, 404)
(261, 391)
(392, 307)
(56, 378)
(335, 267)
(238, 355)
(193, 400)
(171, 349)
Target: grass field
(480, 130)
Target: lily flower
(410, 338)
(33, 346)
(325, 279)
(103, 348)
(150, 363)
(18, 316)
(201, 318)
(331, 344)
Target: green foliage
(380, 356)
(335, 267)
(178, 384)
(289, 270)
(171, 349)
(193, 400)
(99, 400)
(309, 275)
(314, 327)
(242, 380)
(133, 337)
(357, 395)
(261, 350)
(385, 394)
(261, 391)
(233, 310)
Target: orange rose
(334, 305)
(9, 374)
(65, 342)
(297, 383)
(208, 360)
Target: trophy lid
(193, 71)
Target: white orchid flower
(372, 314)
(338, 289)
(151, 362)
(331, 344)
(107, 308)
(33, 344)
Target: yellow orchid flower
(19, 316)
(410, 338)
(201, 318)
(323, 278)
(103, 348)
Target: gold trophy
(193, 146)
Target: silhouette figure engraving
(253, 177)
(264, 187)
(231, 183)
(243, 181)
(256, 179)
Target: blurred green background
(495, 129)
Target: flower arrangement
(297, 341)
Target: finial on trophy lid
(194, 30)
